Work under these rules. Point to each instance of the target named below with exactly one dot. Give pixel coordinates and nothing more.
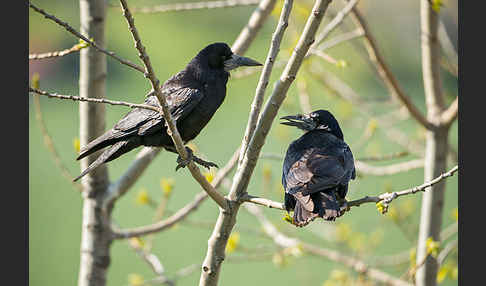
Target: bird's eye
(313, 115)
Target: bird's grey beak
(300, 121)
(238, 61)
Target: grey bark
(95, 237)
(436, 145)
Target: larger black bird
(317, 168)
(193, 96)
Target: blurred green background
(172, 39)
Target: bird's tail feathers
(318, 204)
(107, 139)
(115, 151)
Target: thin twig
(388, 197)
(79, 35)
(95, 100)
(177, 7)
(172, 128)
(56, 54)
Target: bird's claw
(203, 163)
(190, 157)
(182, 163)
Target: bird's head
(220, 56)
(316, 120)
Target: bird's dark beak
(238, 61)
(300, 121)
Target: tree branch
(387, 198)
(95, 100)
(172, 128)
(227, 219)
(79, 35)
(73, 49)
(177, 7)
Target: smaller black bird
(317, 168)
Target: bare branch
(255, 23)
(384, 71)
(79, 35)
(95, 100)
(388, 197)
(227, 219)
(172, 128)
(263, 202)
(177, 7)
(279, 93)
(73, 49)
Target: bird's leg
(181, 163)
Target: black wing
(316, 170)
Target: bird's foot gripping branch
(182, 163)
